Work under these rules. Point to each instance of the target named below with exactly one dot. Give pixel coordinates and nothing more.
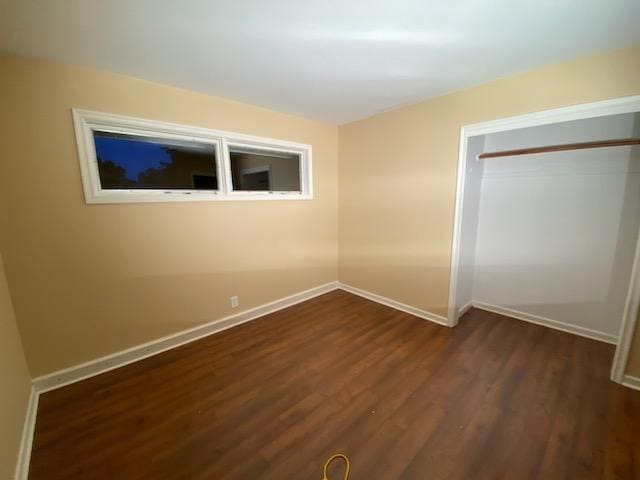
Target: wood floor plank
(404, 398)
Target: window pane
(255, 169)
(133, 162)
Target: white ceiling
(333, 60)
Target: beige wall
(89, 280)
(397, 172)
(15, 383)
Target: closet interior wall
(552, 236)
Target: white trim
(614, 106)
(28, 430)
(104, 364)
(631, 382)
(424, 314)
(602, 108)
(629, 317)
(304, 171)
(464, 309)
(452, 315)
(547, 322)
(85, 122)
(95, 367)
(119, 359)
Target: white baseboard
(95, 367)
(547, 322)
(394, 304)
(24, 454)
(464, 309)
(100, 365)
(631, 382)
(124, 357)
(110, 362)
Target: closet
(550, 223)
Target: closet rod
(560, 148)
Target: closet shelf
(561, 148)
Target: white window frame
(86, 122)
(305, 176)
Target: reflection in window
(134, 162)
(255, 169)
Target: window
(124, 159)
(259, 169)
(147, 163)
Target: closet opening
(547, 221)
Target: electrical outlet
(234, 301)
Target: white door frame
(577, 112)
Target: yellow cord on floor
(331, 459)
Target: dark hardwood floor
(402, 397)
